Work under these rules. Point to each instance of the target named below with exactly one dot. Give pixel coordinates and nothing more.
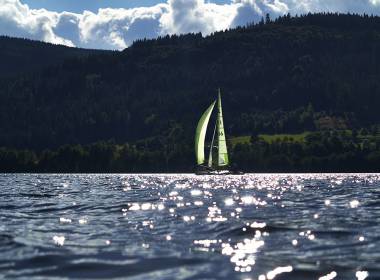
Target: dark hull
(204, 170)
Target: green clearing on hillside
(271, 138)
(301, 137)
(283, 137)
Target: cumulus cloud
(353, 6)
(16, 19)
(66, 27)
(253, 11)
(118, 28)
(196, 16)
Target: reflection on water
(288, 226)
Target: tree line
(329, 151)
(314, 72)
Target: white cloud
(252, 10)
(16, 19)
(66, 27)
(353, 6)
(118, 28)
(196, 16)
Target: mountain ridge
(20, 55)
(284, 76)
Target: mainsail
(222, 146)
(222, 159)
(200, 134)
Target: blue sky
(78, 6)
(81, 23)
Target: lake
(181, 226)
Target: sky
(78, 6)
(115, 24)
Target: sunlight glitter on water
(243, 253)
(263, 226)
(329, 276)
(361, 275)
(59, 240)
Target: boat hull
(204, 170)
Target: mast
(211, 148)
(222, 146)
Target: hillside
(19, 56)
(311, 73)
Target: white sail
(200, 134)
(222, 145)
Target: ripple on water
(288, 226)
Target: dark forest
(300, 94)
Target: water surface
(190, 227)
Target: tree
(267, 19)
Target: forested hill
(19, 56)
(291, 75)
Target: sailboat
(218, 164)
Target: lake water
(304, 226)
